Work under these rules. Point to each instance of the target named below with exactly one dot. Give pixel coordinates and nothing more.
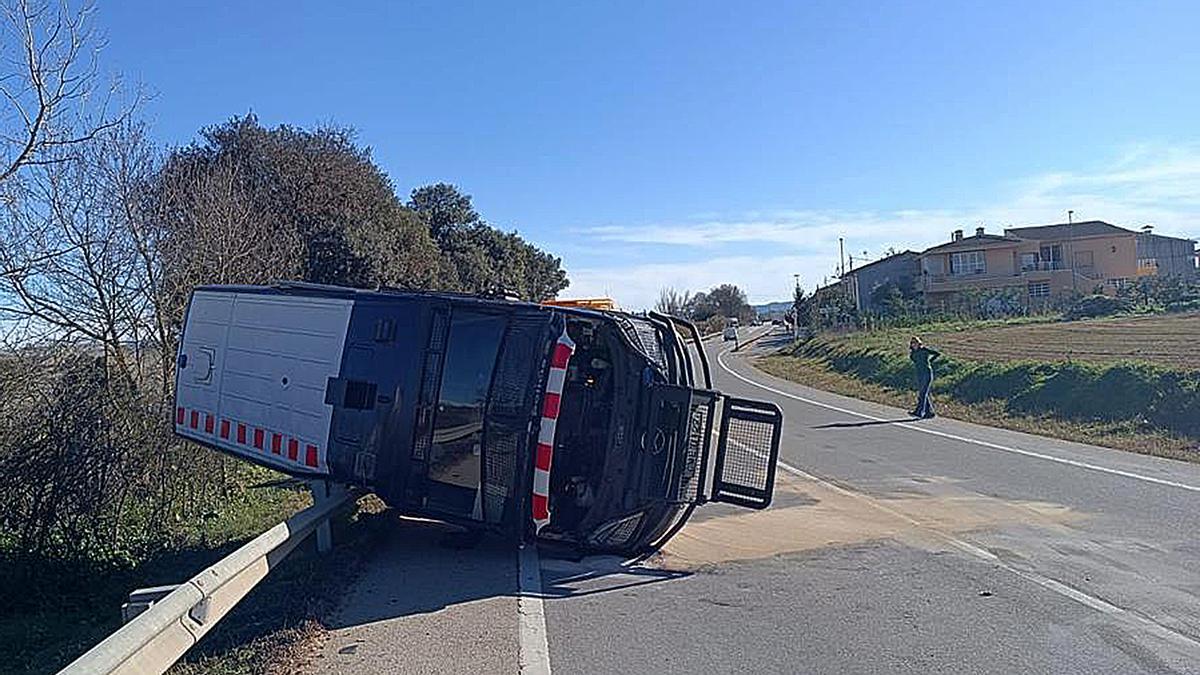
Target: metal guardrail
(156, 638)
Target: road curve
(893, 546)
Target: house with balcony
(1040, 262)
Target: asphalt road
(893, 546)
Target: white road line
(534, 654)
(964, 439)
(1129, 617)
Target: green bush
(1179, 406)
(1192, 305)
(1096, 305)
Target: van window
(454, 457)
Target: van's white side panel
(255, 375)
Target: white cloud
(1146, 184)
(636, 287)
(797, 229)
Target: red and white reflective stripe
(246, 436)
(543, 458)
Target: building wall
(1173, 257)
(900, 269)
(1113, 257)
(997, 262)
(1101, 260)
(1054, 282)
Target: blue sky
(693, 143)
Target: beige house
(1041, 262)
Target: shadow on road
(423, 567)
(871, 423)
(598, 574)
(773, 340)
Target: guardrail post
(323, 491)
(143, 599)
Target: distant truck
(586, 428)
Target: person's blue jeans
(924, 400)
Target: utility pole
(841, 257)
(796, 309)
(1071, 245)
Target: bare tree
(86, 359)
(72, 267)
(673, 302)
(52, 96)
(215, 232)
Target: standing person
(922, 358)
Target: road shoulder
(424, 604)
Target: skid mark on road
(832, 516)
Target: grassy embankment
(1124, 382)
(276, 629)
(54, 611)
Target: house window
(1039, 289)
(967, 262)
(1052, 257)
(1029, 262)
(1084, 260)
(1148, 263)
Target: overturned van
(569, 425)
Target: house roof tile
(1087, 228)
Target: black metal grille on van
(747, 453)
(512, 383)
(515, 384)
(431, 376)
(501, 471)
(696, 451)
(617, 532)
(644, 337)
(749, 467)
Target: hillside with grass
(1130, 382)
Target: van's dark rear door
(470, 446)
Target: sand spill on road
(830, 516)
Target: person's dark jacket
(922, 358)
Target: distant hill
(773, 307)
